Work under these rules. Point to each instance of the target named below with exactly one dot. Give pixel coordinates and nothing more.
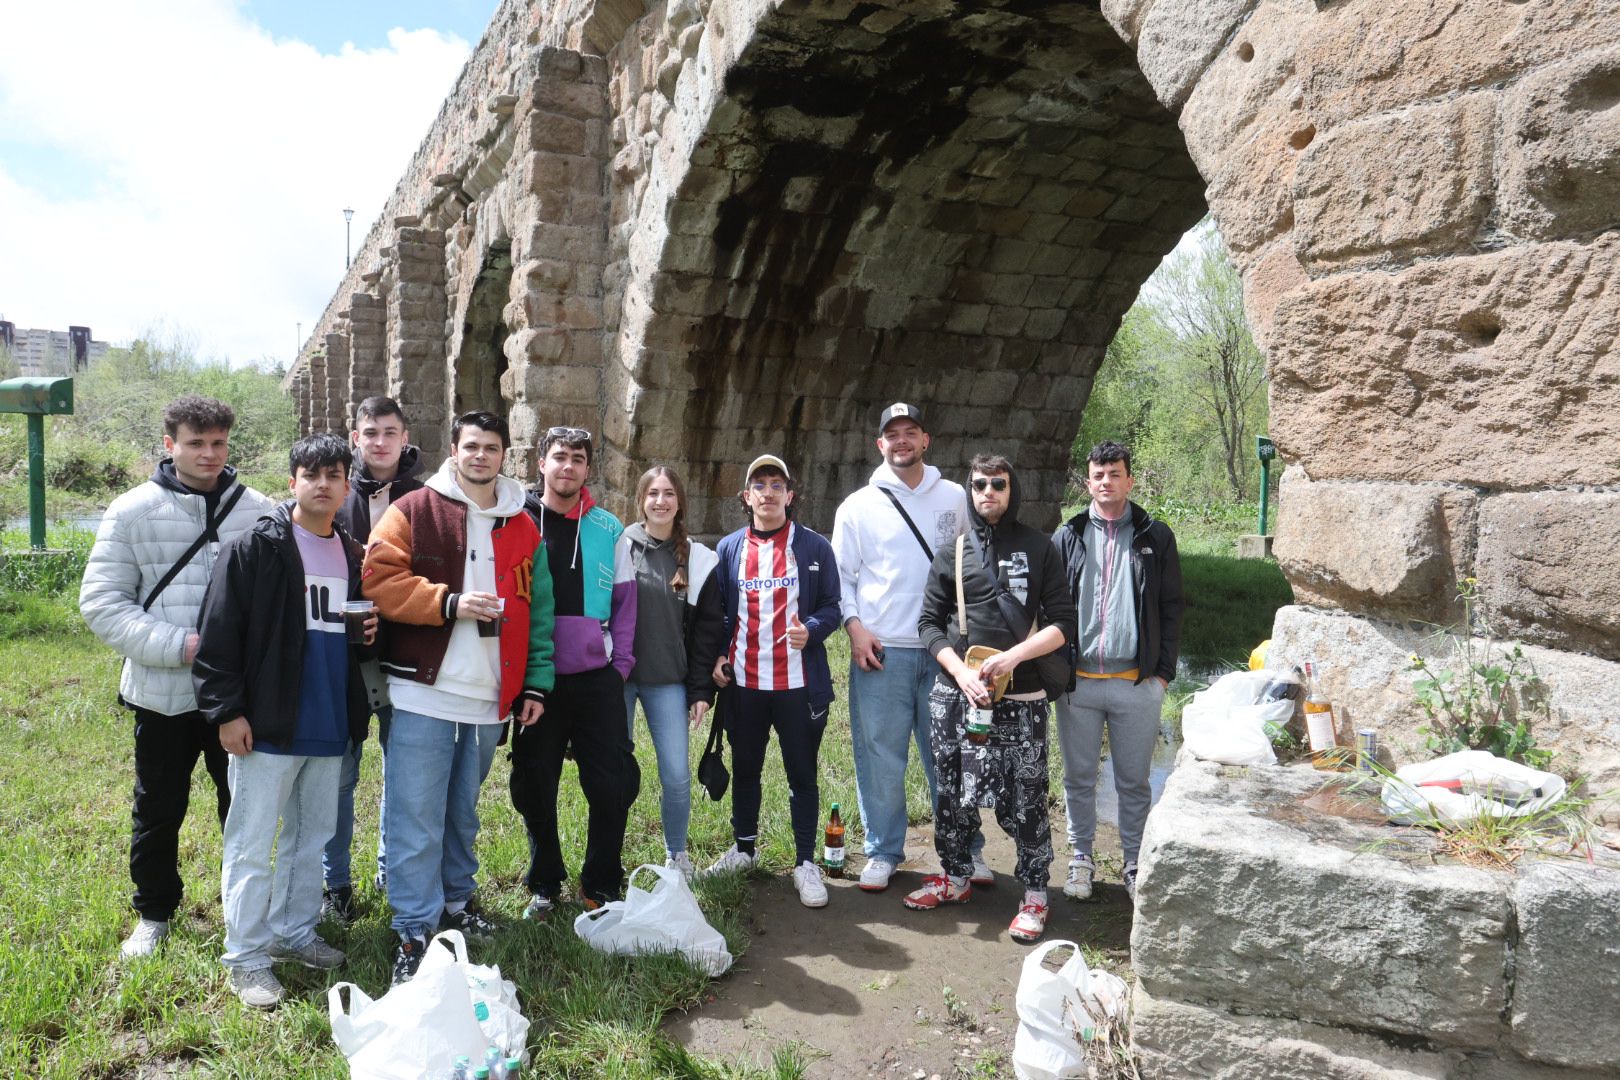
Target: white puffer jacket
(143, 534)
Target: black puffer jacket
(250, 653)
(1003, 565)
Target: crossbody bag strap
(928, 552)
(961, 594)
(210, 532)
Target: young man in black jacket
(276, 674)
(387, 468)
(1013, 598)
(1125, 577)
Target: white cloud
(219, 160)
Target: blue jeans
(888, 710)
(664, 705)
(435, 768)
(335, 859)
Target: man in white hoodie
(885, 536)
(458, 572)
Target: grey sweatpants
(1131, 712)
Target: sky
(178, 169)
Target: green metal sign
(36, 399)
(1266, 451)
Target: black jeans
(166, 749)
(749, 716)
(584, 712)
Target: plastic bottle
(463, 1068)
(514, 1066)
(481, 1073)
(492, 1061)
(833, 857)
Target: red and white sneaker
(1029, 924)
(937, 889)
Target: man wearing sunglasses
(885, 536)
(1125, 576)
(593, 581)
(1004, 584)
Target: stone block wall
(1279, 934)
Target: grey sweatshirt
(660, 644)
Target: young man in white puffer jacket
(145, 534)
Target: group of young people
(466, 612)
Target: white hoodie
(468, 688)
(882, 566)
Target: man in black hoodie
(1002, 586)
(387, 470)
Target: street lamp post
(348, 216)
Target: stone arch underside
(951, 205)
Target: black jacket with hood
(994, 559)
(1156, 576)
(251, 634)
(354, 516)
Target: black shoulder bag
(210, 532)
(928, 552)
(711, 770)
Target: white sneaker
(257, 987)
(680, 860)
(732, 860)
(144, 939)
(812, 890)
(1130, 882)
(1078, 884)
(982, 875)
(875, 875)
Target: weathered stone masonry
(708, 229)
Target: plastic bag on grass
(1470, 784)
(416, 1030)
(665, 918)
(1231, 722)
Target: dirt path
(861, 983)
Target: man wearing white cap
(779, 591)
(885, 536)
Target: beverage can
(1366, 750)
(978, 724)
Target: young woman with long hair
(680, 630)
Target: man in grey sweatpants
(1125, 577)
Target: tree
(1197, 301)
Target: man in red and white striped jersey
(779, 588)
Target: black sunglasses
(998, 483)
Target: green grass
(68, 1008)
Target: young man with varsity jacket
(459, 574)
(276, 675)
(594, 581)
(779, 589)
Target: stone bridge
(712, 227)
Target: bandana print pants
(1008, 773)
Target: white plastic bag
(665, 919)
(416, 1030)
(1228, 722)
(1058, 1010)
(495, 1004)
(1469, 784)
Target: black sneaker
(338, 904)
(470, 921)
(408, 959)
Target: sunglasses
(568, 434)
(995, 483)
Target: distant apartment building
(51, 352)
